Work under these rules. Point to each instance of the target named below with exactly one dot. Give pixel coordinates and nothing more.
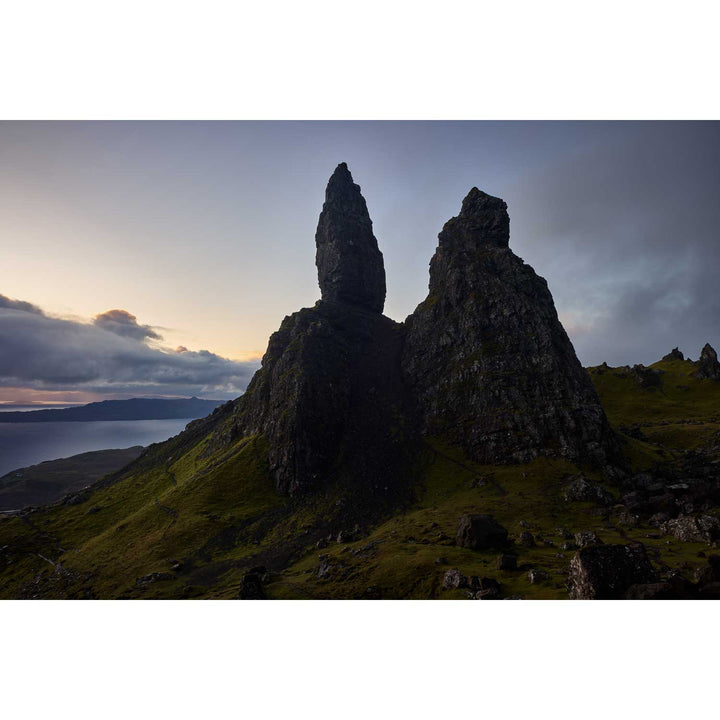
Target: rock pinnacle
(350, 265)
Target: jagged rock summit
(329, 395)
(345, 394)
(486, 357)
(350, 265)
(708, 365)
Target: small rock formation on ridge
(708, 367)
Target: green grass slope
(186, 521)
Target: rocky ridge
(344, 391)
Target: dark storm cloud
(47, 353)
(122, 323)
(628, 235)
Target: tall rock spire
(486, 357)
(350, 265)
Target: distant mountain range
(133, 409)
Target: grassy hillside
(681, 413)
(185, 522)
(48, 481)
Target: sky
(156, 258)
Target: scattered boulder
(536, 576)
(624, 517)
(584, 539)
(658, 519)
(688, 528)
(454, 579)
(321, 544)
(480, 532)
(526, 539)
(708, 367)
(606, 572)
(328, 566)
(583, 490)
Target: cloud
(41, 352)
(122, 323)
(8, 303)
(626, 234)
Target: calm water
(23, 444)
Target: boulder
(606, 572)
(251, 587)
(485, 588)
(583, 490)
(480, 532)
(526, 539)
(583, 539)
(453, 579)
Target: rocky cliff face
(329, 397)
(344, 391)
(486, 356)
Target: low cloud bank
(110, 356)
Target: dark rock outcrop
(251, 586)
(345, 394)
(606, 572)
(329, 398)
(480, 532)
(526, 539)
(583, 490)
(646, 377)
(674, 354)
(350, 265)
(703, 528)
(708, 367)
(487, 358)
